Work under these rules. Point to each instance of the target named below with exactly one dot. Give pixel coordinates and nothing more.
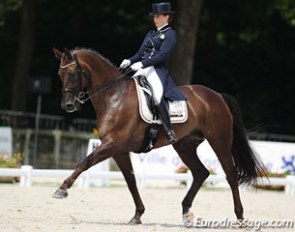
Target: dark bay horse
(212, 116)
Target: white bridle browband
(67, 65)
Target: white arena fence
(160, 164)
(26, 173)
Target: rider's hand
(136, 66)
(125, 63)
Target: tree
(24, 57)
(244, 48)
(250, 54)
(186, 25)
(7, 6)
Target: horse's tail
(247, 165)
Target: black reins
(96, 90)
(103, 87)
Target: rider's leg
(157, 87)
(165, 118)
(155, 81)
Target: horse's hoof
(60, 193)
(134, 221)
(188, 219)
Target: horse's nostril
(70, 107)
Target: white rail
(27, 172)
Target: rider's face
(161, 20)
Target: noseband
(79, 73)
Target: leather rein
(79, 73)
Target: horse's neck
(101, 72)
(98, 71)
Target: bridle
(80, 95)
(79, 73)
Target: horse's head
(71, 75)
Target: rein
(101, 88)
(96, 90)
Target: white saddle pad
(177, 109)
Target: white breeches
(154, 80)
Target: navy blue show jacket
(155, 51)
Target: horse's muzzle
(70, 105)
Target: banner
(278, 157)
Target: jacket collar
(162, 29)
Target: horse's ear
(68, 53)
(57, 53)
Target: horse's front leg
(124, 163)
(99, 154)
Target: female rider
(150, 61)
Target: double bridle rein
(81, 95)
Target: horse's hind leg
(222, 148)
(186, 149)
(124, 163)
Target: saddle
(147, 110)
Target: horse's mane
(96, 54)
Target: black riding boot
(165, 119)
